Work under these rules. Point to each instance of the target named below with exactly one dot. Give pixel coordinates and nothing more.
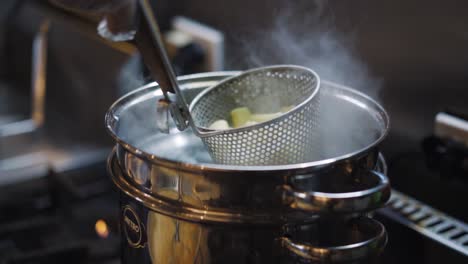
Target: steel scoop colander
(286, 139)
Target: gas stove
(68, 217)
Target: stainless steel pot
(170, 179)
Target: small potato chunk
(219, 125)
(285, 109)
(240, 116)
(250, 123)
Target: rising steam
(309, 39)
(131, 75)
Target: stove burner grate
(428, 221)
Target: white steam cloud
(310, 39)
(131, 75)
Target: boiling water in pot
(346, 126)
(183, 147)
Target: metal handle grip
(38, 87)
(360, 249)
(346, 202)
(149, 42)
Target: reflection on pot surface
(178, 206)
(174, 241)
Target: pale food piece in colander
(220, 125)
(242, 117)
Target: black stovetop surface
(406, 246)
(53, 220)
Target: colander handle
(357, 251)
(346, 202)
(149, 43)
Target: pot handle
(346, 202)
(358, 250)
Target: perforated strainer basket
(287, 139)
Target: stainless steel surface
(230, 202)
(448, 126)
(27, 150)
(348, 202)
(17, 135)
(38, 88)
(164, 171)
(427, 221)
(175, 239)
(176, 195)
(52, 125)
(287, 139)
(367, 243)
(366, 237)
(149, 42)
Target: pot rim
(110, 121)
